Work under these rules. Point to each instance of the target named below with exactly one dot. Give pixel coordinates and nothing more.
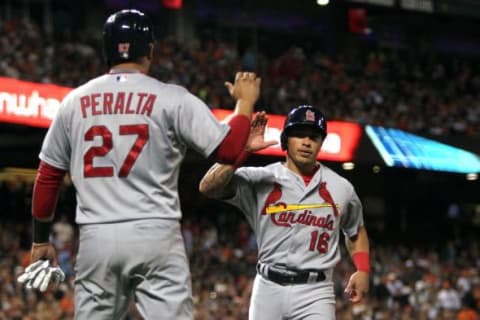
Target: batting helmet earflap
(127, 35)
(306, 116)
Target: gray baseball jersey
(296, 226)
(122, 137)
(293, 224)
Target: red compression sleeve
(361, 260)
(234, 143)
(45, 190)
(241, 159)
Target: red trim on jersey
(325, 194)
(45, 190)
(234, 143)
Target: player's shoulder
(85, 87)
(92, 83)
(267, 168)
(329, 175)
(260, 174)
(170, 93)
(171, 88)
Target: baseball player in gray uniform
(297, 210)
(122, 137)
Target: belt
(286, 276)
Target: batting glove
(39, 274)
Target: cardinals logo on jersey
(272, 198)
(286, 215)
(283, 207)
(325, 194)
(272, 205)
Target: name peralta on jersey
(122, 137)
(296, 225)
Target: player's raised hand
(357, 286)
(256, 139)
(246, 87)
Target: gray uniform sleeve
(245, 198)
(56, 148)
(197, 127)
(352, 218)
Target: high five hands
(256, 139)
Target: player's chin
(305, 158)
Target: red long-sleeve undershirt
(234, 143)
(45, 191)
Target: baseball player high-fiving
(122, 137)
(297, 210)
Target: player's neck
(304, 169)
(129, 67)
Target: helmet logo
(123, 49)
(310, 116)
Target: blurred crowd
(439, 280)
(419, 91)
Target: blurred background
(406, 72)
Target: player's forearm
(245, 106)
(359, 243)
(359, 249)
(45, 191)
(233, 145)
(44, 200)
(215, 183)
